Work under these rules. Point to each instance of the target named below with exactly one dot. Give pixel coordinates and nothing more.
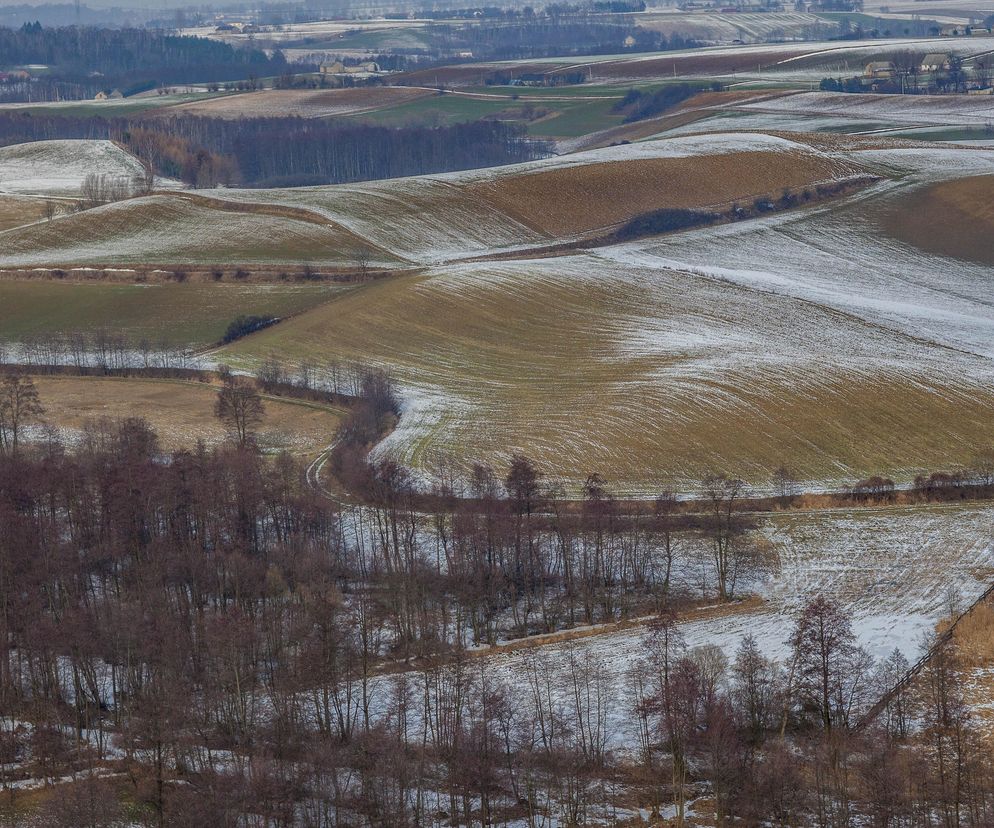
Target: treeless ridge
(952, 218)
(578, 199)
(182, 229)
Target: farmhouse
(879, 69)
(339, 68)
(935, 62)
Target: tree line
(551, 35)
(285, 151)
(84, 60)
(202, 638)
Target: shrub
(244, 325)
(664, 221)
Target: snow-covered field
(171, 229)
(60, 167)
(809, 335)
(432, 219)
(837, 257)
(897, 110)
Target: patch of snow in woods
(914, 556)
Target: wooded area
(227, 646)
(286, 151)
(81, 61)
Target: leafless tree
(240, 408)
(19, 406)
(723, 528)
(785, 485)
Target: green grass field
(576, 119)
(573, 113)
(175, 314)
(111, 109)
(437, 110)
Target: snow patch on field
(436, 218)
(60, 167)
(836, 256)
(967, 110)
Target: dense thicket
(92, 59)
(205, 152)
(665, 221)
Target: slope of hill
(802, 336)
(181, 229)
(59, 167)
(951, 218)
(426, 219)
(443, 217)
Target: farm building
(339, 68)
(879, 69)
(935, 62)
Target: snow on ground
(679, 147)
(170, 229)
(745, 26)
(964, 110)
(836, 256)
(724, 120)
(418, 217)
(910, 556)
(60, 167)
(433, 218)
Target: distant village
(933, 73)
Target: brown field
(595, 196)
(651, 379)
(184, 229)
(309, 103)
(698, 107)
(952, 218)
(16, 211)
(181, 412)
(665, 66)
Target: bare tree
(19, 406)
(721, 493)
(240, 408)
(785, 485)
(831, 668)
